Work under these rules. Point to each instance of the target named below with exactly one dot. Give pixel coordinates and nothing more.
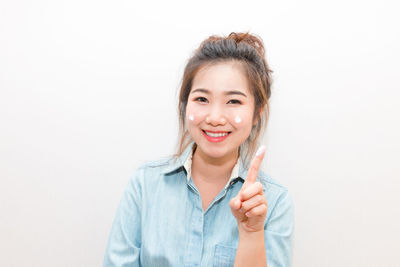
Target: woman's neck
(213, 169)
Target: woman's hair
(245, 49)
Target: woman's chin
(217, 153)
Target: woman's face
(219, 113)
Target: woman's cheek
(238, 119)
(241, 119)
(195, 115)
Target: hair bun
(251, 39)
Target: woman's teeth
(216, 134)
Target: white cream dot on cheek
(238, 119)
(191, 117)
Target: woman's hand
(250, 206)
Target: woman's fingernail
(260, 150)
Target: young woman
(209, 205)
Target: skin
(250, 209)
(219, 94)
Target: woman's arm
(272, 244)
(261, 240)
(279, 229)
(250, 209)
(251, 249)
(124, 242)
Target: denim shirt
(160, 220)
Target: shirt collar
(179, 162)
(185, 161)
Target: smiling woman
(245, 54)
(227, 96)
(209, 205)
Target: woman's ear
(258, 117)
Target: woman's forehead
(221, 78)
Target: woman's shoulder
(156, 163)
(154, 167)
(274, 189)
(266, 179)
(280, 215)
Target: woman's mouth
(215, 136)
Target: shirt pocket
(224, 256)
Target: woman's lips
(216, 136)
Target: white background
(88, 91)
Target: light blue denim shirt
(160, 220)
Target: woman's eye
(201, 99)
(234, 101)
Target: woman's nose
(215, 117)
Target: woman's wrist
(251, 249)
(252, 235)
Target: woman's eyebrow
(201, 90)
(234, 92)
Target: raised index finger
(255, 165)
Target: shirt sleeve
(124, 242)
(279, 232)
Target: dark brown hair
(245, 49)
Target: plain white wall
(88, 91)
